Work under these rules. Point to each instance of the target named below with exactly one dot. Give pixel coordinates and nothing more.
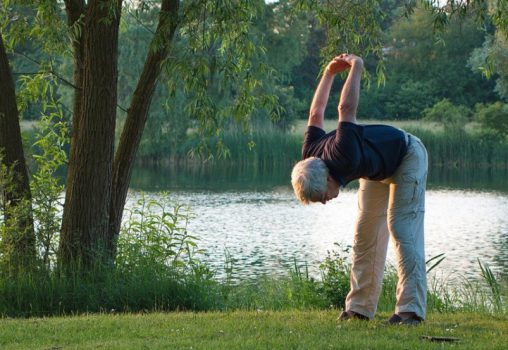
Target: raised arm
(318, 105)
(350, 95)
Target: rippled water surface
(265, 230)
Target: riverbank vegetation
(159, 268)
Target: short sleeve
(312, 136)
(344, 154)
(347, 145)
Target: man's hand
(342, 62)
(351, 59)
(336, 65)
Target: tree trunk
(138, 114)
(75, 9)
(19, 237)
(86, 210)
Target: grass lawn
(249, 330)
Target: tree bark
(138, 114)
(85, 222)
(75, 9)
(19, 238)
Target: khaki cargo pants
(392, 207)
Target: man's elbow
(346, 108)
(347, 113)
(316, 114)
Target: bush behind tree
(493, 118)
(454, 118)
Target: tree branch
(138, 110)
(58, 76)
(74, 9)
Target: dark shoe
(410, 321)
(351, 315)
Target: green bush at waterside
(155, 269)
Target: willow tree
(215, 49)
(98, 180)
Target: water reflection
(248, 177)
(486, 179)
(253, 214)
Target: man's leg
(369, 248)
(406, 213)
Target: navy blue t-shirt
(355, 151)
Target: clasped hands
(343, 62)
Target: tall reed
(462, 149)
(450, 149)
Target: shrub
(493, 118)
(454, 118)
(335, 271)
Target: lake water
(252, 214)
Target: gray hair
(308, 178)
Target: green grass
(248, 330)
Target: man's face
(332, 191)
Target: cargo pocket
(406, 194)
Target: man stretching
(392, 167)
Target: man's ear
(329, 178)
